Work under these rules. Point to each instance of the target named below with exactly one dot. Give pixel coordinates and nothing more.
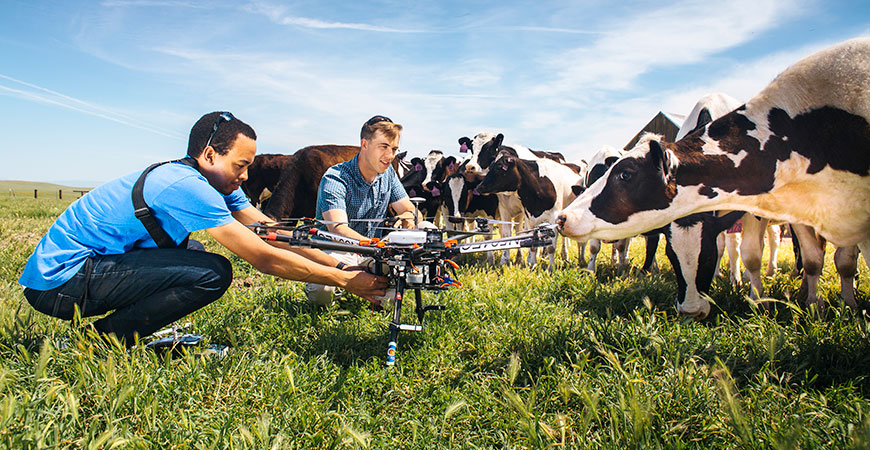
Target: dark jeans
(147, 289)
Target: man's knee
(319, 294)
(219, 273)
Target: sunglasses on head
(378, 119)
(224, 117)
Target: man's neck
(367, 175)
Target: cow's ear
(723, 223)
(402, 155)
(498, 140)
(450, 162)
(662, 157)
(577, 189)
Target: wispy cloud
(555, 30)
(682, 33)
(40, 94)
(153, 3)
(277, 14)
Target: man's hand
(364, 284)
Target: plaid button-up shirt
(343, 187)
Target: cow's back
(296, 192)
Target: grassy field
(520, 359)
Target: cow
(706, 109)
(426, 178)
(296, 192)
(461, 203)
(543, 187)
(599, 163)
(799, 151)
(263, 175)
(484, 148)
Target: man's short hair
(387, 127)
(224, 137)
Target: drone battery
(407, 237)
(417, 278)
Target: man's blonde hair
(387, 127)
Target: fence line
(46, 193)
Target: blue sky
(92, 90)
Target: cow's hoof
(699, 313)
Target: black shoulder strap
(146, 215)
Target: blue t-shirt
(102, 222)
(343, 187)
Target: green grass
(520, 359)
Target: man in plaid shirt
(362, 188)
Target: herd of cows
(797, 153)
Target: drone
(417, 259)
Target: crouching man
(123, 248)
(354, 196)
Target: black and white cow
(799, 151)
(598, 165)
(483, 150)
(543, 187)
(707, 109)
(425, 179)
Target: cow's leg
(581, 253)
(594, 249)
(773, 243)
(720, 248)
(564, 247)
(751, 248)
(552, 251)
(621, 247)
(533, 257)
(846, 261)
(732, 244)
(813, 259)
(865, 250)
(649, 261)
(796, 248)
(504, 230)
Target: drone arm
(337, 222)
(268, 259)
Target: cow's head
(484, 149)
(600, 162)
(624, 201)
(416, 173)
(503, 175)
(693, 252)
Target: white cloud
(43, 95)
(682, 33)
(277, 14)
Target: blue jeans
(146, 289)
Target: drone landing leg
(396, 323)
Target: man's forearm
(345, 230)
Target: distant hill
(29, 186)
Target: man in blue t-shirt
(353, 196)
(99, 256)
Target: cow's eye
(624, 176)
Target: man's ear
(208, 154)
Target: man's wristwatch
(340, 265)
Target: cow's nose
(560, 221)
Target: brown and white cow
(799, 151)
